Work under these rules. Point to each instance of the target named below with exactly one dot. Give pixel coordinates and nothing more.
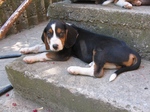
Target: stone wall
(33, 15)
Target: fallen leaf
(7, 94)
(14, 104)
(35, 110)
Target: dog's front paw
(29, 59)
(25, 50)
(73, 70)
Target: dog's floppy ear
(45, 39)
(71, 36)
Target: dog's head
(58, 35)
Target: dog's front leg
(34, 49)
(36, 58)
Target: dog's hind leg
(99, 62)
(124, 4)
(98, 71)
(88, 71)
(93, 70)
(77, 70)
(91, 64)
(133, 63)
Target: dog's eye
(61, 34)
(49, 34)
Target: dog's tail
(107, 2)
(135, 65)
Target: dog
(128, 4)
(102, 52)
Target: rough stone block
(49, 84)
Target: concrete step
(49, 84)
(132, 26)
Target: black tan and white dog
(65, 40)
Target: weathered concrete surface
(132, 26)
(11, 45)
(50, 84)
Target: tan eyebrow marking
(50, 30)
(58, 30)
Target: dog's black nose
(55, 46)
